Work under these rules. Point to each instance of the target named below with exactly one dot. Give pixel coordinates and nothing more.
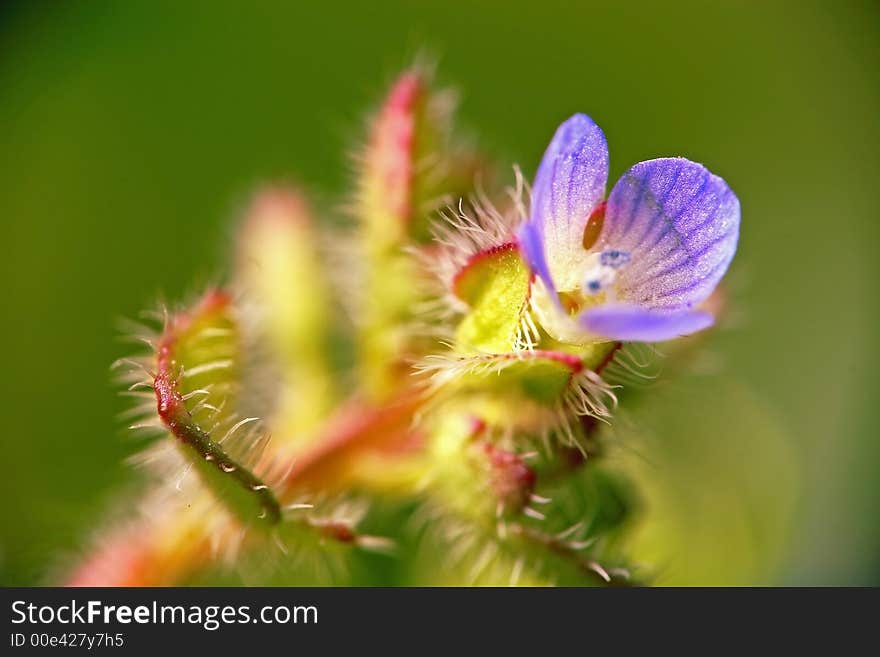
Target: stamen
(602, 270)
(597, 278)
(614, 258)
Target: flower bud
(279, 274)
(410, 169)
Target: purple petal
(680, 225)
(569, 185)
(532, 247)
(630, 322)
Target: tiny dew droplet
(594, 227)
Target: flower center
(601, 271)
(597, 274)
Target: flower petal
(630, 322)
(531, 244)
(569, 185)
(680, 225)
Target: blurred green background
(131, 131)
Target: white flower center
(596, 274)
(600, 272)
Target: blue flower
(637, 266)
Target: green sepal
(197, 366)
(495, 285)
(538, 375)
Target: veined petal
(636, 323)
(680, 225)
(531, 244)
(569, 185)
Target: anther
(614, 258)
